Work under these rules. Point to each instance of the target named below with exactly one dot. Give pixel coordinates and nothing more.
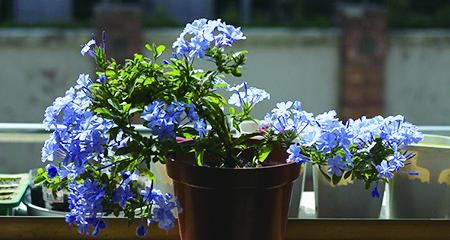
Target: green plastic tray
(12, 189)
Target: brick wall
(362, 55)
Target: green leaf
(232, 110)
(123, 151)
(126, 107)
(148, 47)
(199, 157)
(41, 176)
(104, 112)
(122, 166)
(159, 50)
(133, 111)
(264, 152)
(149, 174)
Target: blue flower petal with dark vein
(336, 166)
(385, 170)
(52, 170)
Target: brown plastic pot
(233, 204)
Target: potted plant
(228, 183)
(367, 145)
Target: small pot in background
(426, 195)
(296, 196)
(347, 199)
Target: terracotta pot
(347, 199)
(233, 204)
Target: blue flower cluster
(333, 135)
(339, 143)
(394, 132)
(288, 118)
(164, 119)
(123, 192)
(250, 96)
(200, 35)
(79, 135)
(163, 206)
(85, 203)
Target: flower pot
(296, 196)
(228, 203)
(35, 203)
(165, 185)
(347, 199)
(426, 195)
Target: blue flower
(333, 133)
(163, 211)
(249, 96)
(83, 83)
(397, 130)
(122, 194)
(336, 166)
(163, 119)
(141, 230)
(295, 154)
(202, 34)
(87, 48)
(397, 160)
(283, 109)
(85, 204)
(297, 106)
(375, 192)
(163, 206)
(159, 121)
(308, 135)
(98, 226)
(79, 136)
(101, 79)
(385, 170)
(288, 117)
(232, 33)
(200, 127)
(52, 170)
(128, 176)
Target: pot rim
(425, 144)
(234, 169)
(232, 178)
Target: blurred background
(359, 57)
